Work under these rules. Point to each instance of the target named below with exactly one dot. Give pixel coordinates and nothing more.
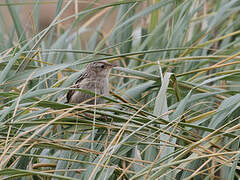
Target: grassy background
(174, 107)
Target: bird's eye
(102, 66)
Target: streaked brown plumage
(94, 78)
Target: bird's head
(100, 68)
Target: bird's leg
(109, 132)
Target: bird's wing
(76, 85)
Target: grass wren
(94, 78)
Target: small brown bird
(94, 78)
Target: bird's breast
(98, 85)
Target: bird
(94, 78)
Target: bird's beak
(111, 65)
